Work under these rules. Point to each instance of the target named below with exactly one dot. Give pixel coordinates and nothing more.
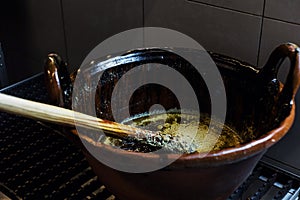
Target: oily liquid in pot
(190, 133)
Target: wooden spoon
(58, 115)
(68, 117)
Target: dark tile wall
(31, 29)
(217, 29)
(275, 32)
(253, 6)
(28, 31)
(247, 30)
(283, 10)
(88, 24)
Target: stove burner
(38, 163)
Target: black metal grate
(267, 183)
(37, 163)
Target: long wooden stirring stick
(67, 117)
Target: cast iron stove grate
(37, 163)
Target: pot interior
(250, 112)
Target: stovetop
(38, 162)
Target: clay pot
(254, 98)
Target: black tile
(90, 22)
(253, 6)
(275, 33)
(220, 30)
(287, 10)
(30, 30)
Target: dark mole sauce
(193, 133)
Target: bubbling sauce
(181, 132)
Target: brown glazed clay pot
(254, 98)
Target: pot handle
(58, 81)
(270, 71)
